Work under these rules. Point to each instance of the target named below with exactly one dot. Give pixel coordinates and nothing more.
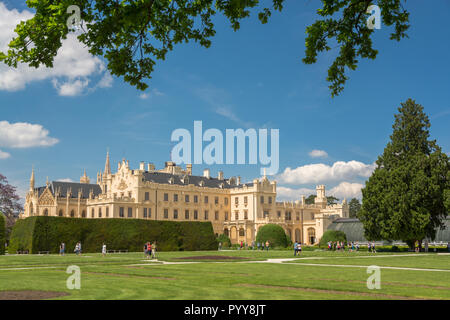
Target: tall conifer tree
(405, 198)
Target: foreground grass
(129, 276)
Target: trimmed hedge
(274, 233)
(45, 233)
(2, 233)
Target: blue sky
(253, 78)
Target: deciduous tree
(132, 34)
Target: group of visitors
(150, 250)
(297, 248)
(261, 245)
(352, 246)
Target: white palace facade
(234, 208)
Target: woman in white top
(104, 249)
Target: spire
(32, 180)
(84, 178)
(46, 182)
(107, 165)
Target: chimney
(150, 167)
(238, 181)
(220, 175)
(189, 169)
(206, 173)
(142, 166)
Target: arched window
(45, 212)
(60, 213)
(31, 209)
(226, 232)
(311, 235)
(83, 214)
(72, 214)
(241, 232)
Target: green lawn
(129, 276)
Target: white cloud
(319, 172)
(343, 190)
(347, 190)
(65, 180)
(24, 135)
(288, 194)
(318, 154)
(4, 155)
(72, 67)
(151, 93)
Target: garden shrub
(332, 235)
(274, 234)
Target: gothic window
(60, 213)
(241, 232)
(46, 212)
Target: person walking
(77, 250)
(299, 248)
(295, 248)
(220, 246)
(368, 246)
(154, 250)
(373, 247)
(104, 250)
(267, 245)
(258, 244)
(62, 248)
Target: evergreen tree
(354, 207)
(404, 199)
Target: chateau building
(234, 208)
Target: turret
(32, 181)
